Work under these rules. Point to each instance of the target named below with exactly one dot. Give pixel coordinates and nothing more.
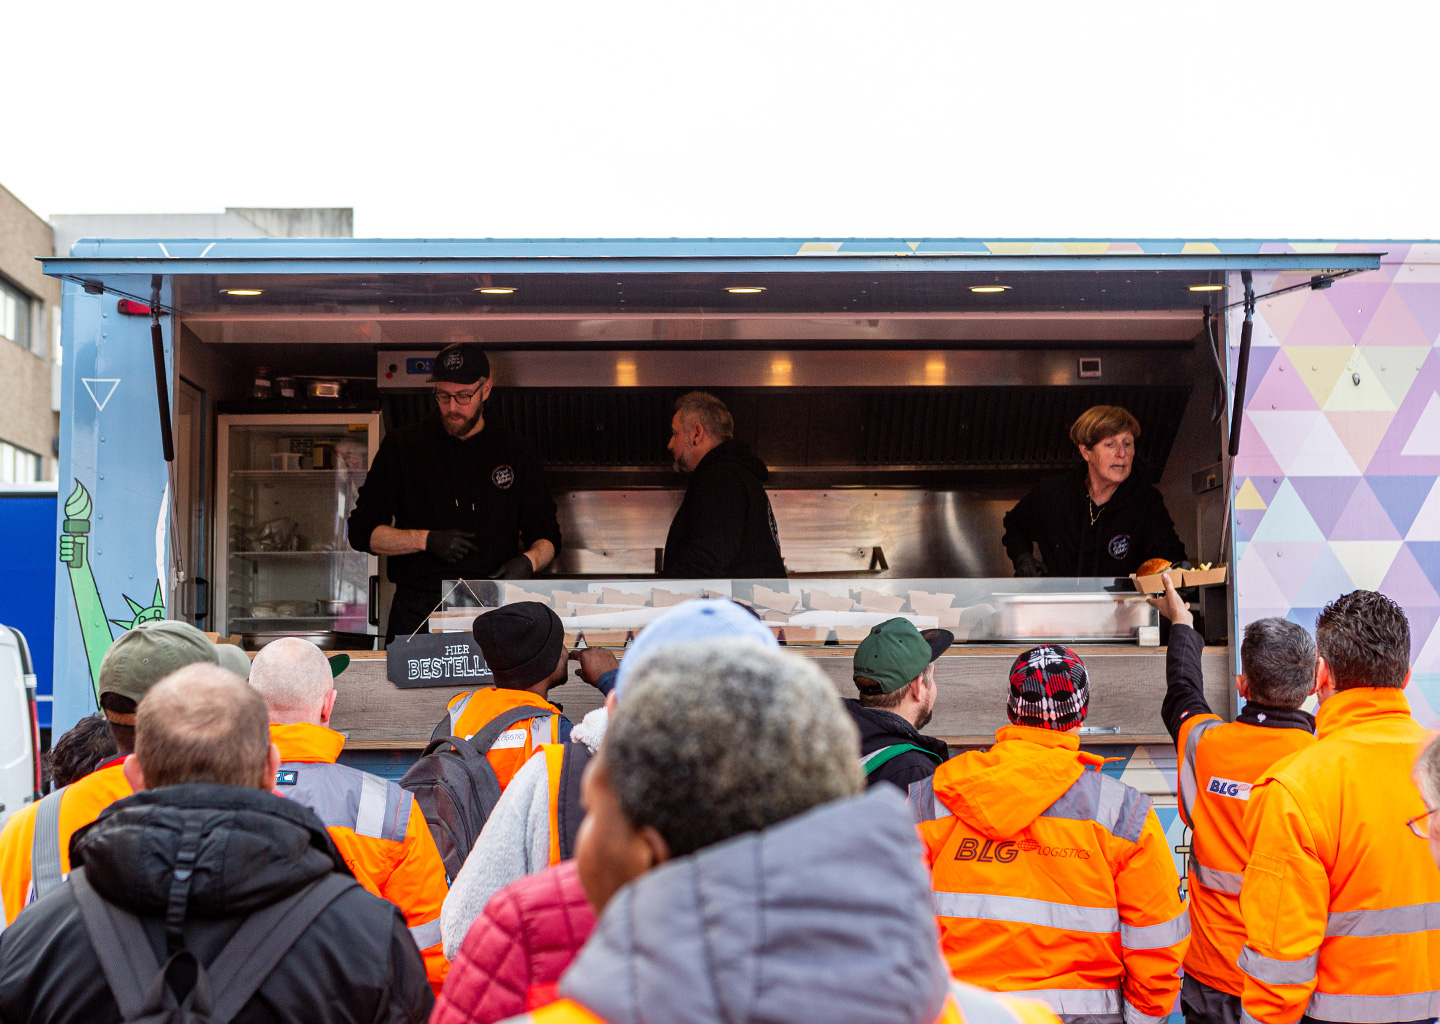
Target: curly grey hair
(715, 739)
(708, 410)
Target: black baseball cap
(461, 363)
(521, 643)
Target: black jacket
(1132, 527)
(880, 728)
(1185, 692)
(356, 962)
(423, 479)
(724, 528)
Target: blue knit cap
(693, 622)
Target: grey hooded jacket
(825, 917)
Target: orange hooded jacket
(1341, 902)
(80, 803)
(381, 836)
(1052, 880)
(471, 712)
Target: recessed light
(745, 289)
(1206, 287)
(495, 290)
(244, 291)
(989, 289)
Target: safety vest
(468, 713)
(1219, 763)
(1341, 902)
(564, 765)
(387, 846)
(965, 1004)
(35, 842)
(1079, 907)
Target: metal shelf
(294, 554)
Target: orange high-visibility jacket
(471, 712)
(1219, 762)
(1341, 902)
(965, 1005)
(381, 836)
(1052, 880)
(80, 803)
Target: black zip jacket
(1185, 692)
(881, 728)
(1132, 527)
(725, 528)
(492, 485)
(355, 963)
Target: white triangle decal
(98, 386)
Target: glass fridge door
(289, 486)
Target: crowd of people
(728, 840)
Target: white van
(19, 732)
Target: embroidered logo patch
(1228, 787)
(502, 477)
(454, 360)
(1120, 546)
(289, 777)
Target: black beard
(465, 427)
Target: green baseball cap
(234, 658)
(143, 656)
(896, 652)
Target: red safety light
(132, 308)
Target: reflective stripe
(921, 798)
(1156, 936)
(45, 871)
(1120, 809)
(1134, 1016)
(426, 935)
(456, 711)
(345, 797)
(1418, 917)
(979, 1006)
(1210, 878)
(1245, 1018)
(1270, 971)
(370, 815)
(1189, 787)
(1366, 1009)
(976, 906)
(1077, 1000)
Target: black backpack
(457, 788)
(141, 986)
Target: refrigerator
(286, 484)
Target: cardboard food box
(873, 600)
(819, 600)
(668, 598)
(851, 634)
(1206, 577)
(605, 637)
(805, 635)
(776, 600)
(1153, 584)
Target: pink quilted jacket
(518, 947)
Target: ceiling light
(243, 291)
(495, 290)
(989, 289)
(744, 289)
(1206, 287)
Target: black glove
(450, 545)
(1028, 565)
(518, 568)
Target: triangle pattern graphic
(1356, 303)
(1367, 396)
(1394, 324)
(1262, 360)
(1280, 312)
(1318, 324)
(1323, 453)
(101, 389)
(1401, 496)
(1286, 520)
(1363, 519)
(1407, 583)
(1361, 433)
(1366, 561)
(1255, 459)
(1388, 459)
(1396, 368)
(1427, 521)
(1256, 588)
(1320, 367)
(1284, 434)
(1248, 498)
(1423, 301)
(1328, 580)
(1427, 557)
(1290, 564)
(1425, 438)
(1282, 386)
(1325, 497)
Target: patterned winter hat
(1049, 688)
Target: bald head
(202, 724)
(294, 678)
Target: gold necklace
(1094, 510)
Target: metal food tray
(1062, 618)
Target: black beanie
(521, 643)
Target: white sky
(893, 119)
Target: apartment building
(29, 344)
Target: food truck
(223, 399)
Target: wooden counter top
(1127, 684)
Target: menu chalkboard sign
(436, 659)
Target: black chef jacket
(1132, 527)
(725, 529)
(492, 485)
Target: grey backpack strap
(120, 944)
(569, 811)
(45, 871)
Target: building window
(18, 466)
(15, 314)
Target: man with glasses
(454, 497)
